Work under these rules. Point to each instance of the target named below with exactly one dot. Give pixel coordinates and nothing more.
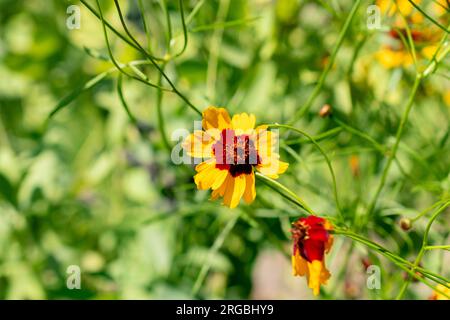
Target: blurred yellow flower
(440, 7)
(394, 54)
(447, 97)
(391, 58)
(439, 296)
(398, 8)
(234, 148)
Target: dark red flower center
(236, 153)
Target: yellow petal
(272, 167)
(216, 118)
(220, 191)
(234, 190)
(318, 275)
(204, 165)
(315, 269)
(325, 274)
(405, 7)
(440, 296)
(282, 167)
(228, 192)
(239, 188)
(206, 177)
(250, 192)
(327, 225)
(199, 144)
(429, 51)
(417, 18)
(385, 5)
(243, 122)
(266, 142)
(390, 58)
(220, 179)
(299, 265)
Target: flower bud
(405, 224)
(325, 111)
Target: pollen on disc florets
(237, 153)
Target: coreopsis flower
(311, 241)
(232, 149)
(440, 8)
(393, 53)
(396, 9)
(439, 296)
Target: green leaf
(74, 94)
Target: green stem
(111, 55)
(163, 6)
(223, 25)
(161, 122)
(377, 146)
(152, 60)
(194, 11)
(89, 84)
(425, 211)
(122, 99)
(393, 152)
(330, 64)
(216, 40)
(121, 36)
(422, 249)
(435, 60)
(400, 262)
(330, 167)
(185, 33)
(145, 25)
(428, 16)
(284, 191)
(319, 137)
(410, 42)
(444, 247)
(360, 134)
(212, 251)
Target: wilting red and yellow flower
(393, 53)
(311, 241)
(439, 296)
(234, 148)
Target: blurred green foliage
(88, 187)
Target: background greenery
(89, 187)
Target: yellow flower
(439, 296)
(398, 8)
(233, 148)
(440, 7)
(311, 241)
(391, 58)
(425, 37)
